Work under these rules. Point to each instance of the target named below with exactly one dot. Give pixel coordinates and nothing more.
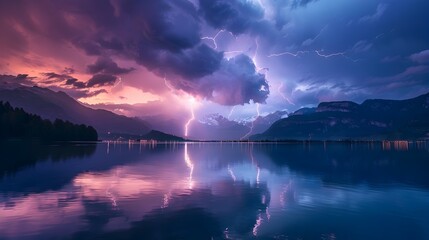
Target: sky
(238, 58)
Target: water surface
(215, 191)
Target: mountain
(262, 123)
(214, 126)
(218, 127)
(52, 105)
(160, 136)
(15, 123)
(373, 119)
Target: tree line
(15, 123)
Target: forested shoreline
(15, 123)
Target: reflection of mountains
(20, 155)
(345, 163)
(71, 160)
(202, 214)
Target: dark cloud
(368, 44)
(235, 16)
(163, 36)
(190, 64)
(69, 70)
(75, 83)
(55, 78)
(300, 3)
(13, 80)
(106, 65)
(237, 82)
(99, 80)
(82, 93)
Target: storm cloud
(163, 36)
(99, 80)
(236, 16)
(315, 49)
(107, 66)
(236, 82)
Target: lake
(115, 190)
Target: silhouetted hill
(160, 136)
(15, 123)
(52, 105)
(373, 119)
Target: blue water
(215, 191)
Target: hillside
(160, 136)
(373, 119)
(15, 123)
(52, 105)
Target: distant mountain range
(216, 126)
(372, 120)
(52, 105)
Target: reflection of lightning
(166, 200)
(258, 175)
(285, 190)
(230, 113)
(257, 225)
(190, 165)
(188, 123)
(112, 198)
(232, 174)
(282, 94)
(253, 123)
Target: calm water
(215, 191)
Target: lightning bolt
(213, 39)
(253, 123)
(118, 82)
(255, 55)
(279, 90)
(317, 52)
(329, 55)
(343, 54)
(296, 54)
(230, 113)
(192, 118)
(311, 40)
(168, 85)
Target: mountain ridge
(373, 119)
(58, 105)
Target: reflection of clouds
(36, 212)
(227, 189)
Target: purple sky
(167, 57)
